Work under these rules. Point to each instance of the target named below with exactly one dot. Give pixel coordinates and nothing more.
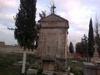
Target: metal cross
(52, 9)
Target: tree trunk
(24, 61)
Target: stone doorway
(48, 65)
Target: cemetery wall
(12, 49)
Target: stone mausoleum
(52, 43)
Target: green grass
(6, 61)
(75, 67)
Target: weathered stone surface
(31, 71)
(90, 68)
(52, 43)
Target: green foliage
(97, 35)
(90, 40)
(40, 72)
(76, 72)
(75, 68)
(7, 61)
(71, 47)
(82, 47)
(25, 31)
(31, 58)
(78, 48)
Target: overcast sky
(77, 12)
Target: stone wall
(12, 49)
(52, 38)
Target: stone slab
(32, 71)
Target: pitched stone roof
(53, 18)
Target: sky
(77, 12)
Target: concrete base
(91, 68)
(95, 59)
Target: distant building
(2, 43)
(52, 43)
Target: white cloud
(78, 12)
(6, 35)
(78, 15)
(7, 5)
(8, 9)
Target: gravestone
(93, 67)
(95, 52)
(96, 55)
(31, 71)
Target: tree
(81, 47)
(25, 30)
(97, 35)
(78, 48)
(42, 14)
(84, 44)
(90, 41)
(71, 47)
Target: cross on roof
(52, 9)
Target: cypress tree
(25, 31)
(71, 47)
(78, 48)
(90, 41)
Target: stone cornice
(54, 27)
